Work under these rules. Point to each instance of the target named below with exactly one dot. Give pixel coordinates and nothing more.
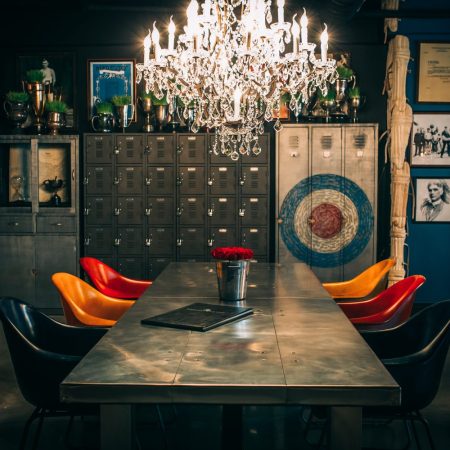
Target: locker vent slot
(326, 142)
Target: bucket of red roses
(232, 266)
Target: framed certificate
(433, 74)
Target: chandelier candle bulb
(324, 44)
(295, 30)
(304, 25)
(147, 44)
(280, 4)
(192, 13)
(171, 34)
(155, 39)
(207, 9)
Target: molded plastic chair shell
(370, 282)
(84, 305)
(388, 309)
(110, 282)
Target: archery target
(327, 220)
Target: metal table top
(298, 347)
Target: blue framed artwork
(108, 78)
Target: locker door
(98, 241)
(99, 149)
(191, 180)
(98, 210)
(98, 180)
(130, 210)
(130, 180)
(129, 241)
(161, 149)
(253, 210)
(160, 181)
(191, 242)
(222, 210)
(222, 237)
(155, 267)
(191, 149)
(255, 238)
(129, 149)
(131, 267)
(191, 210)
(159, 210)
(160, 240)
(254, 180)
(222, 180)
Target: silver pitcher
(125, 114)
(55, 121)
(232, 279)
(103, 123)
(16, 112)
(38, 96)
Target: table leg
(231, 427)
(116, 427)
(345, 428)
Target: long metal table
(297, 348)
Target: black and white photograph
(430, 140)
(432, 199)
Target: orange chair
(368, 283)
(388, 309)
(84, 305)
(110, 282)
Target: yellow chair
(370, 282)
(84, 305)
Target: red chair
(388, 309)
(110, 282)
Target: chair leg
(23, 441)
(37, 433)
(163, 427)
(426, 425)
(416, 436)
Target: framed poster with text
(433, 74)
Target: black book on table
(198, 316)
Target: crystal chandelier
(231, 65)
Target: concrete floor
(197, 427)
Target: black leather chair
(43, 352)
(415, 353)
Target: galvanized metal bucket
(232, 279)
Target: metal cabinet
(327, 197)
(153, 198)
(39, 210)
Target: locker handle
(179, 149)
(73, 174)
(280, 220)
(179, 211)
(210, 181)
(210, 212)
(148, 211)
(148, 242)
(147, 149)
(117, 242)
(57, 224)
(116, 150)
(34, 272)
(87, 241)
(179, 180)
(179, 242)
(148, 181)
(242, 212)
(86, 211)
(14, 224)
(311, 221)
(242, 180)
(210, 242)
(117, 211)
(116, 181)
(85, 181)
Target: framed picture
(107, 78)
(284, 113)
(433, 72)
(430, 140)
(59, 75)
(432, 200)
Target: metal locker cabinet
(253, 211)
(191, 149)
(160, 210)
(129, 241)
(263, 157)
(98, 180)
(222, 180)
(131, 266)
(160, 240)
(191, 242)
(98, 240)
(130, 210)
(129, 149)
(97, 210)
(130, 180)
(254, 180)
(222, 237)
(191, 180)
(255, 238)
(160, 149)
(155, 266)
(192, 210)
(326, 197)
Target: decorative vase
(103, 123)
(55, 121)
(37, 93)
(328, 105)
(355, 104)
(161, 116)
(232, 279)
(125, 114)
(146, 105)
(17, 113)
(341, 90)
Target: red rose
(232, 253)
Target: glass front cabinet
(39, 224)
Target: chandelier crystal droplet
(232, 71)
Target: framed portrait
(433, 72)
(59, 75)
(430, 140)
(432, 200)
(107, 78)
